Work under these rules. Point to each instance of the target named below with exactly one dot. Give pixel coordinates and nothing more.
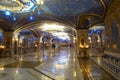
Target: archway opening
(48, 36)
(96, 39)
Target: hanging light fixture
(18, 6)
(52, 27)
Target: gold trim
(34, 31)
(90, 14)
(30, 25)
(95, 23)
(104, 6)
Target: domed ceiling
(14, 13)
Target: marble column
(15, 43)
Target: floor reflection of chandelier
(18, 6)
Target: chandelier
(18, 6)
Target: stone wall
(112, 27)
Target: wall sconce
(2, 47)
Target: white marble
(21, 74)
(59, 65)
(62, 66)
(5, 61)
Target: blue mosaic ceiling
(66, 9)
(73, 7)
(56, 7)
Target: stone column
(7, 36)
(15, 43)
(82, 34)
(24, 45)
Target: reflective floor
(92, 71)
(51, 65)
(41, 65)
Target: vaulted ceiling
(81, 14)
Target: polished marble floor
(48, 64)
(41, 65)
(92, 68)
(92, 71)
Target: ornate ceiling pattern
(18, 6)
(17, 13)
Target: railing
(111, 63)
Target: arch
(89, 14)
(82, 18)
(38, 18)
(104, 6)
(36, 23)
(35, 32)
(96, 23)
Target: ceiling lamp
(18, 6)
(52, 27)
(8, 13)
(61, 35)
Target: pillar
(7, 37)
(15, 43)
(82, 34)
